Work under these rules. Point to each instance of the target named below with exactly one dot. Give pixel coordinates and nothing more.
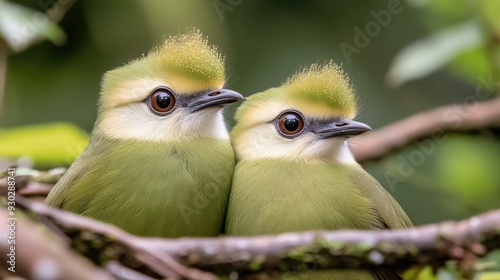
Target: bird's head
(173, 93)
(307, 118)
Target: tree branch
(429, 124)
(434, 244)
(102, 242)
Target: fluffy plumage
(326, 85)
(154, 173)
(305, 182)
(150, 189)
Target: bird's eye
(290, 123)
(161, 101)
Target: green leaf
(424, 273)
(48, 145)
(489, 11)
(472, 63)
(474, 177)
(446, 13)
(427, 55)
(20, 27)
(489, 276)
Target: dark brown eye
(162, 101)
(290, 123)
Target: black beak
(341, 127)
(217, 97)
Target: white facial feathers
(132, 119)
(135, 121)
(264, 141)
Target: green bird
(159, 162)
(294, 169)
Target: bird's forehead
(137, 90)
(127, 91)
(266, 111)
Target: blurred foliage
(264, 42)
(427, 55)
(48, 145)
(445, 13)
(488, 9)
(461, 38)
(475, 176)
(20, 27)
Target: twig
(59, 10)
(121, 272)
(55, 13)
(434, 244)
(429, 124)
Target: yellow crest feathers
(327, 84)
(190, 55)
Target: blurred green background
(430, 53)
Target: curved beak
(217, 97)
(342, 127)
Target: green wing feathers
(388, 209)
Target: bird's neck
(330, 151)
(322, 151)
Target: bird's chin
(209, 110)
(334, 149)
(334, 141)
